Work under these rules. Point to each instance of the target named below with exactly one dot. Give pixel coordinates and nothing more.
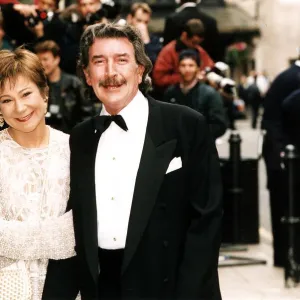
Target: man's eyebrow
(97, 57)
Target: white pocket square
(175, 164)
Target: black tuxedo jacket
(174, 228)
(175, 22)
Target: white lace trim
(49, 239)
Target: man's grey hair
(112, 30)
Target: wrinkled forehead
(111, 47)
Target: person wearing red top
(165, 72)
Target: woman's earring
(1, 121)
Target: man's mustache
(111, 81)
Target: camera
(42, 15)
(96, 17)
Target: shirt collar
(133, 113)
(183, 6)
(297, 63)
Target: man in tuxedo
(145, 186)
(187, 11)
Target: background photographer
(197, 95)
(66, 104)
(139, 17)
(26, 24)
(74, 20)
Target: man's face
(88, 6)
(191, 42)
(113, 72)
(47, 5)
(140, 17)
(188, 70)
(49, 62)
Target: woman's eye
(26, 94)
(5, 101)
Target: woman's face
(22, 105)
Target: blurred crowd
(187, 63)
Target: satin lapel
(156, 155)
(89, 206)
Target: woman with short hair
(34, 180)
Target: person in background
(197, 95)
(255, 100)
(139, 16)
(5, 44)
(274, 144)
(35, 158)
(165, 72)
(145, 186)
(67, 104)
(190, 9)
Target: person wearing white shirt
(145, 186)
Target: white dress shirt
(117, 162)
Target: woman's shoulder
(3, 135)
(59, 137)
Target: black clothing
(283, 85)
(174, 229)
(175, 22)
(110, 273)
(274, 143)
(153, 48)
(255, 101)
(291, 119)
(103, 122)
(67, 106)
(203, 99)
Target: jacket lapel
(88, 192)
(156, 155)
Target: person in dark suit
(189, 10)
(197, 95)
(274, 143)
(145, 186)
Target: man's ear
(87, 76)
(141, 70)
(58, 59)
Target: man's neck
(55, 75)
(187, 86)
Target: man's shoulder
(179, 113)
(192, 13)
(70, 78)
(82, 130)
(169, 47)
(207, 88)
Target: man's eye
(122, 60)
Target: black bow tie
(102, 122)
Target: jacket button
(166, 280)
(166, 243)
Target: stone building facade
(280, 32)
